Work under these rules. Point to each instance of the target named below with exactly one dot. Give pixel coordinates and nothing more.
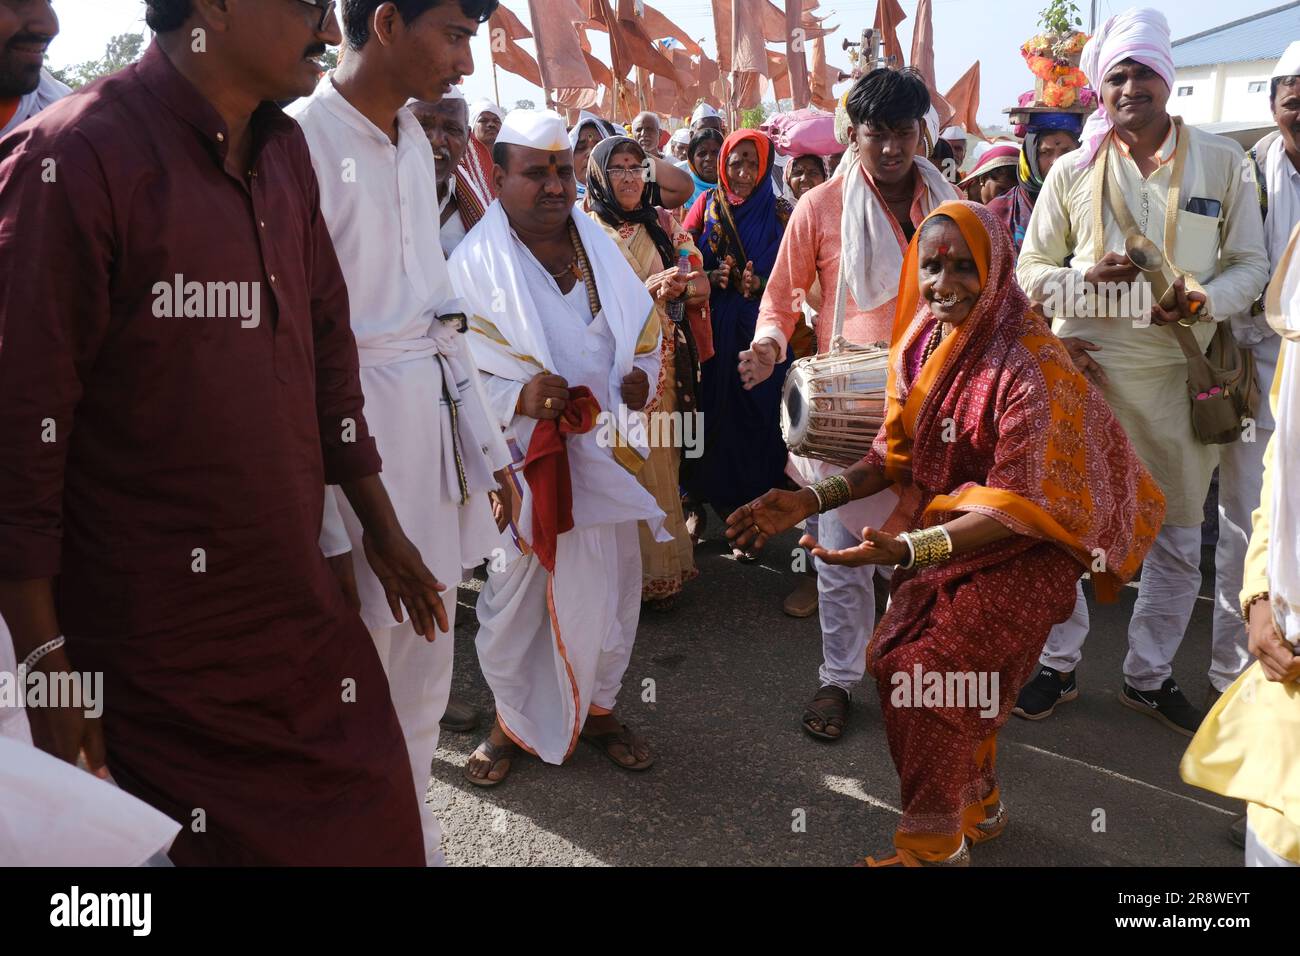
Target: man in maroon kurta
(178, 382)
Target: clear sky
(965, 30)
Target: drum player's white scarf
(869, 244)
(507, 341)
(1283, 307)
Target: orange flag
(504, 28)
(964, 97)
(888, 16)
(823, 77)
(658, 26)
(627, 33)
(778, 76)
(559, 50)
(923, 58)
(797, 61)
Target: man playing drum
(866, 214)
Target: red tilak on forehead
(943, 250)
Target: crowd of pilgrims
(678, 273)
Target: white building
(1222, 75)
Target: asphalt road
(1096, 784)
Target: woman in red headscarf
(737, 225)
(1011, 468)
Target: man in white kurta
(1217, 243)
(27, 88)
(1241, 464)
(554, 645)
(424, 401)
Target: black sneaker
(1040, 696)
(1167, 705)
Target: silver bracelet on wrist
(51, 645)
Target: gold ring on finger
(548, 404)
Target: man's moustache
(30, 39)
(316, 50)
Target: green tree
(753, 119)
(122, 50)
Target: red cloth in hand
(546, 469)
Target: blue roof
(1264, 36)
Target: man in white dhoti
(1241, 464)
(555, 309)
(26, 88)
(1190, 193)
(424, 400)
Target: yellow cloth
(1248, 748)
(1255, 578)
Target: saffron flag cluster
(765, 49)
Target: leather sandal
(834, 712)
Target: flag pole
(731, 99)
(496, 87)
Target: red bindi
(943, 250)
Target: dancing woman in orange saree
(1014, 478)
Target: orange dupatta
(1082, 438)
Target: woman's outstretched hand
(750, 526)
(876, 548)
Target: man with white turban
(678, 144)
(955, 137)
(1189, 193)
(567, 340)
(485, 119)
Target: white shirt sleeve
(334, 538)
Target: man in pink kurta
(889, 190)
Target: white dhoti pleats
(555, 648)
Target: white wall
(1239, 105)
(1199, 106)
(1222, 93)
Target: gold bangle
(832, 493)
(932, 546)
